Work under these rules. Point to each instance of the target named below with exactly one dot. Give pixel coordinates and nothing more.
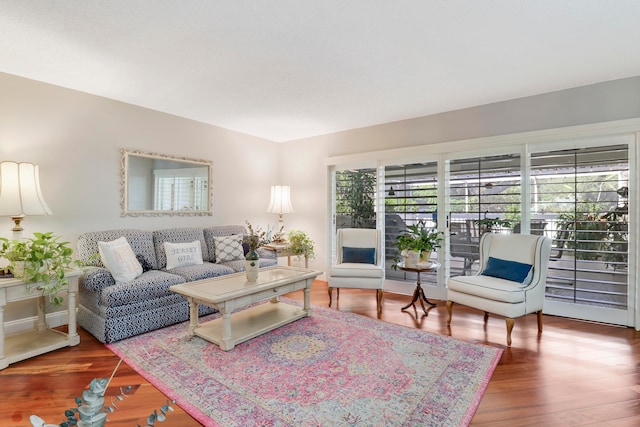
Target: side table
(418, 294)
(284, 249)
(24, 345)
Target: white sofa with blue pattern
(113, 311)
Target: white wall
(76, 137)
(304, 160)
(76, 140)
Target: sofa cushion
(148, 286)
(119, 258)
(228, 248)
(183, 254)
(177, 235)
(488, 287)
(239, 265)
(356, 270)
(202, 271)
(141, 242)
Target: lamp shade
(20, 192)
(280, 200)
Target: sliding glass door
(484, 196)
(578, 196)
(583, 195)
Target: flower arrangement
(257, 237)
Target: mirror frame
(124, 191)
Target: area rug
(332, 368)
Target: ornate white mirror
(155, 184)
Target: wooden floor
(574, 374)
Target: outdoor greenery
(355, 196)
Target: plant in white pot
(16, 252)
(46, 260)
(301, 244)
(415, 245)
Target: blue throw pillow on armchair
(508, 270)
(359, 255)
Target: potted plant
(16, 252)
(300, 244)
(46, 260)
(416, 243)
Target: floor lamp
(20, 193)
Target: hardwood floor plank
(573, 374)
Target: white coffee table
(232, 292)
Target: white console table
(24, 345)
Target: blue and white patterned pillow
(228, 248)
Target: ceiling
(290, 69)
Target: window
(583, 195)
(411, 198)
(484, 196)
(355, 198)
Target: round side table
(418, 294)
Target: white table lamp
(20, 193)
(280, 201)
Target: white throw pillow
(183, 254)
(228, 248)
(120, 260)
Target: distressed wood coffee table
(233, 292)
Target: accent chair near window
(359, 262)
(511, 280)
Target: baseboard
(54, 320)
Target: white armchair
(359, 262)
(504, 285)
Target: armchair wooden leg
(510, 323)
(330, 295)
(450, 310)
(539, 313)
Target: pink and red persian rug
(330, 369)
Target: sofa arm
(97, 279)
(267, 253)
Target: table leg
(227, 341)
(193, 316)
(418, 295)
(307, 298)
(72, 332)
(3, 360)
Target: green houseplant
(416, 243)
(45, 259)
(301, 244)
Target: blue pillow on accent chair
(359, 255)
(508, 270)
